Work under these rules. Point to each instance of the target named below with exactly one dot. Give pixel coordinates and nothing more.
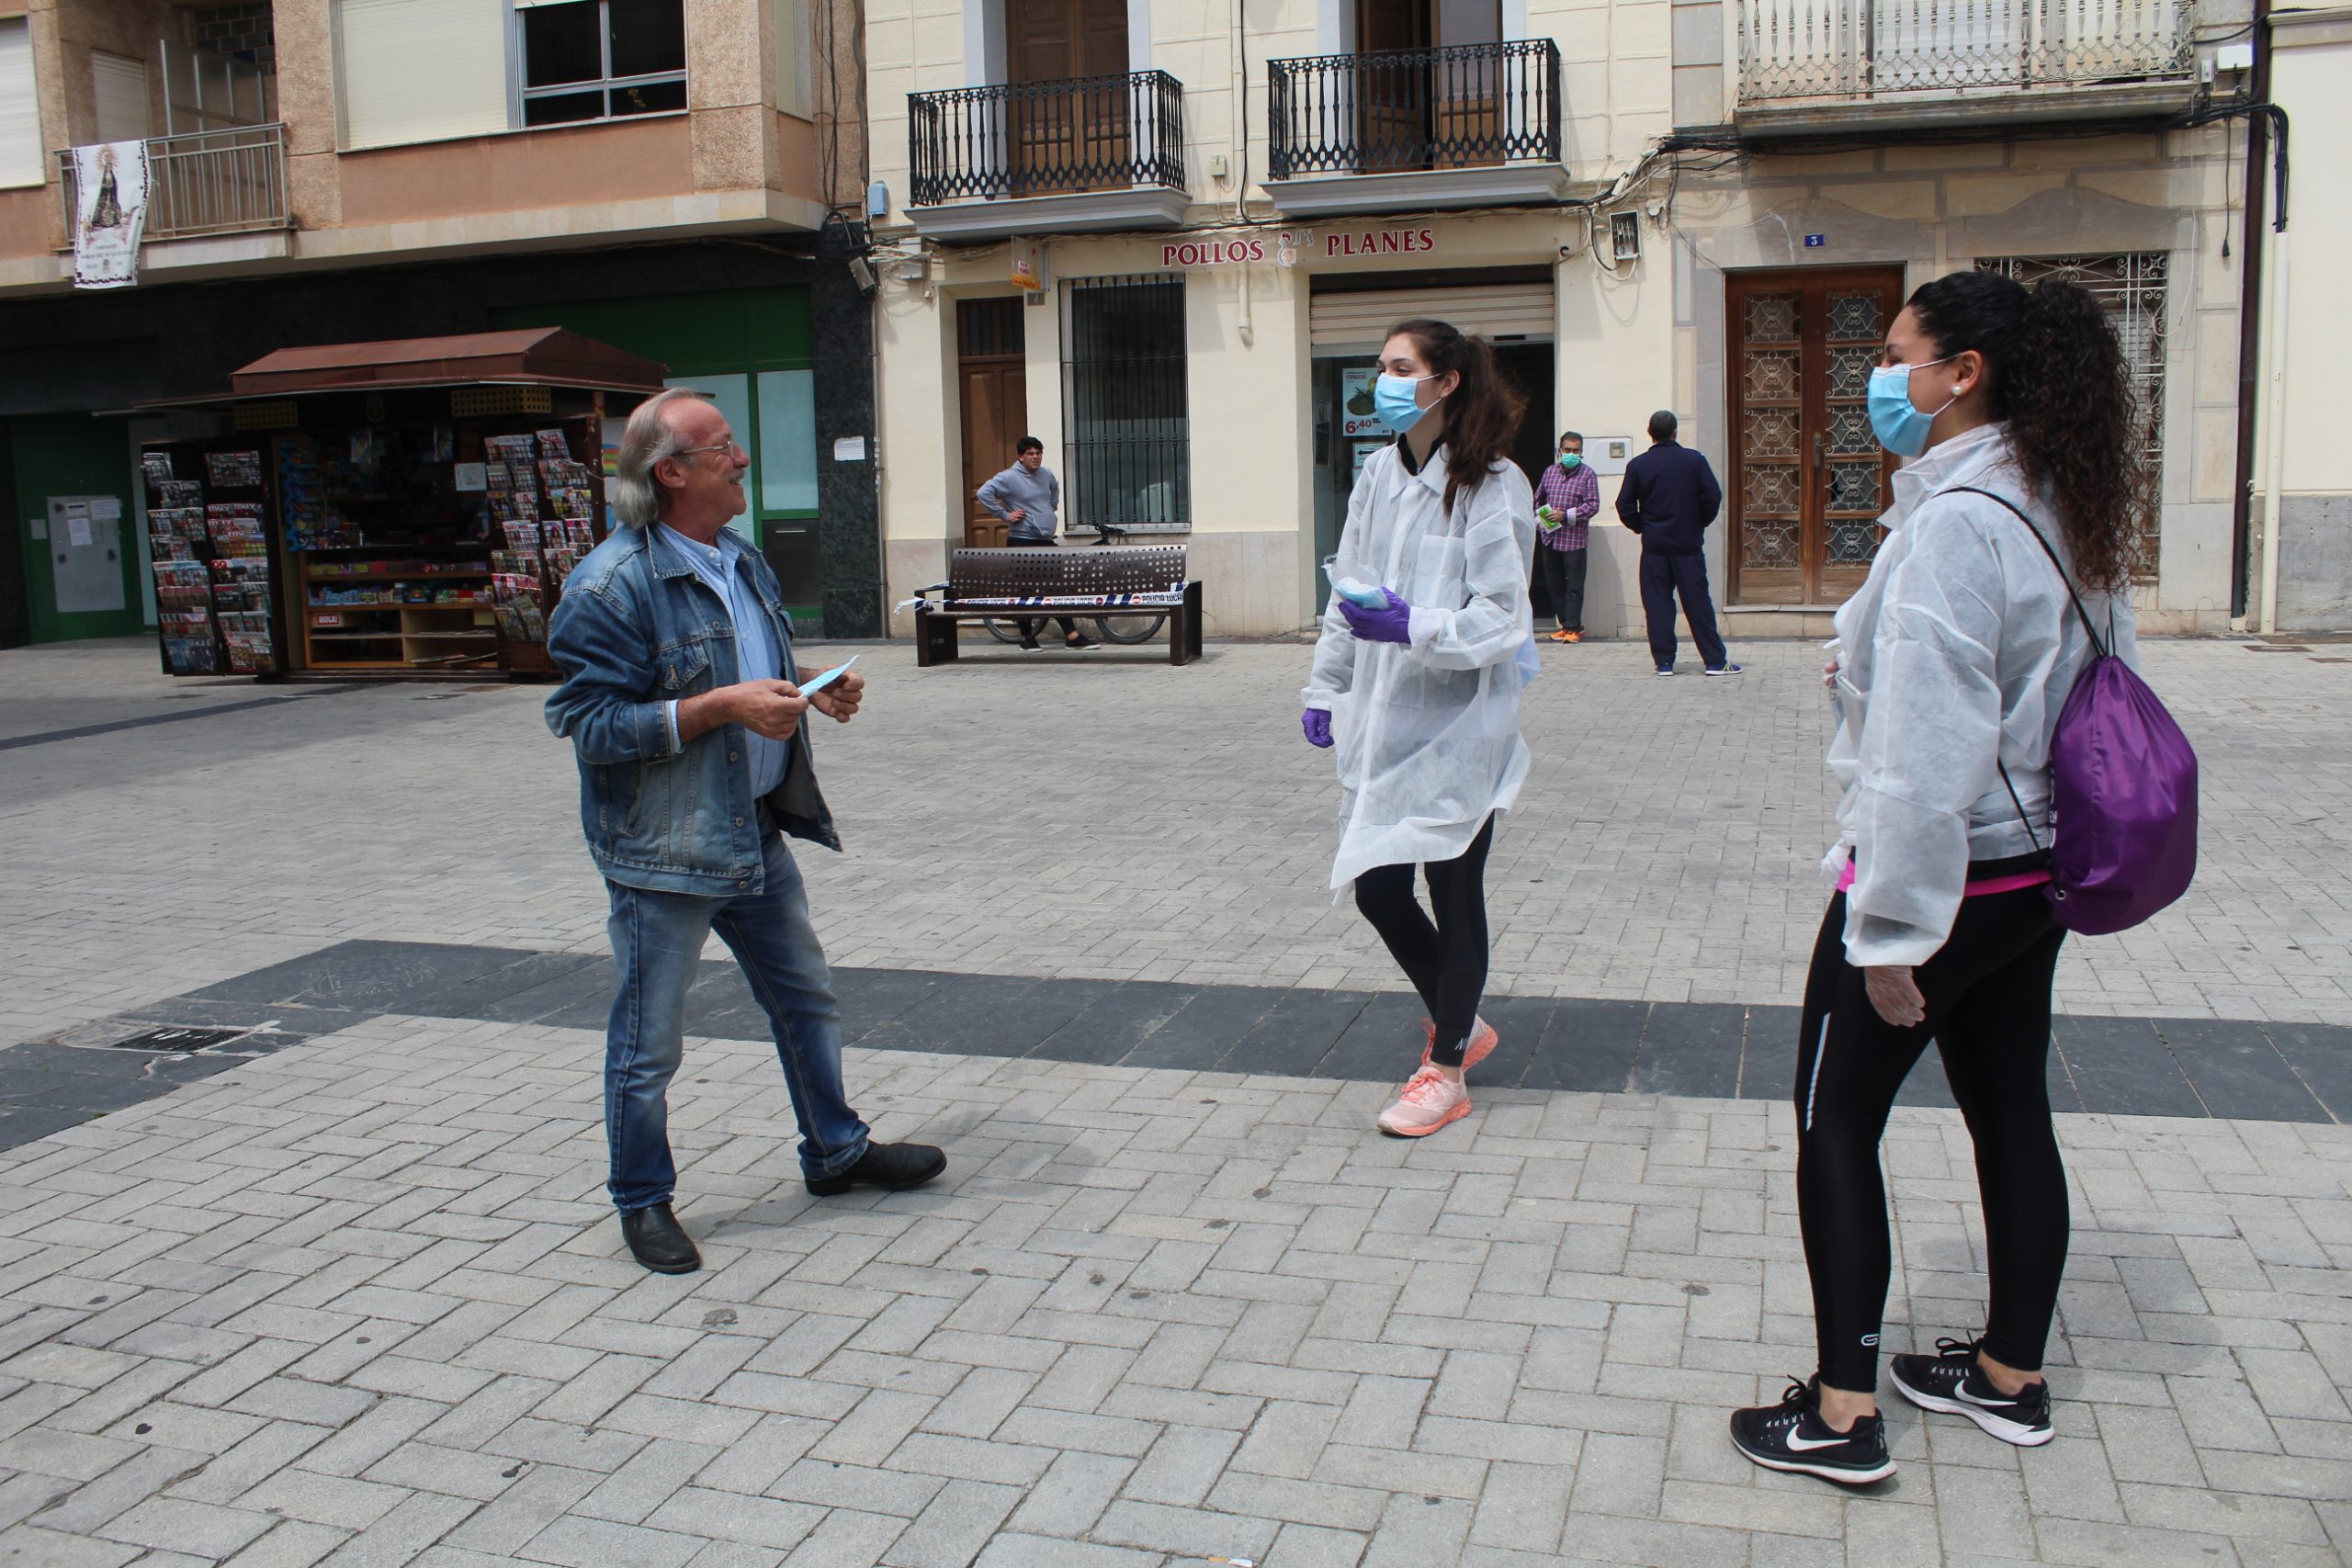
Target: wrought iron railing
(206, 182)
(1415, 108)
(1044, 138)
(1811, 49)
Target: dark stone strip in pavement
(84, 731)
(2121, 1066)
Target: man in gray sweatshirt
(1027, 496)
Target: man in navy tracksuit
(1668, 497)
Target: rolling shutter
(420, 69)
(119, 93)
(23, 160)
(1497, 310)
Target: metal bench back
(1018, 573)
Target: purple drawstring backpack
(2123, 790)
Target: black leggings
(1988, 993)
(1446, 960)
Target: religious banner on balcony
(111, 210)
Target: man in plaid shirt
(1566, 500)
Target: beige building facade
(1712, 208)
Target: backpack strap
(2088, 630)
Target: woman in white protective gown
(1416, 685)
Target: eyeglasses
(729, 447)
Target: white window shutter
(23, 160)
(420, 69)
(118, 88)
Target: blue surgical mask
(1569, 460)
(1393, 400)
(1899, 426)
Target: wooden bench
(1092, 581)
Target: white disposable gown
(1427, 733)
(1959, 650)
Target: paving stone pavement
(1100, 817)
(361, 1300)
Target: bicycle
(1137, 627)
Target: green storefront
(79, 526)
(752, 351)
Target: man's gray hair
(649, 438)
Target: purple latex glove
(1317, 722)
(1390, 623)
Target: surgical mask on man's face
(1395, 399)
(1569, 460)
(1899, 424)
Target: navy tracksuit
(1668, 497)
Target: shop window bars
(1047, 138)
(1829, 49)
(1464, 106)
(1127, 444)
(205, 182)
(2131, 288)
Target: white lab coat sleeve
(1333, 673)
(1499, 552)
(1929, 741)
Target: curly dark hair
(1482, 413)
(2060, 379)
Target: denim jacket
(635, 630)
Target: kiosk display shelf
(387, 509)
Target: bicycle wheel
(1003, 631)
(1129, 628)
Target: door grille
(2129, 287)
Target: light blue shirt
(757, 656)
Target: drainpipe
(2252, 260)
(1240, 55)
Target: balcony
(1474, 125)
(1089, 154)
(206, 183)
(1827, 66)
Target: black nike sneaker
(1951, 1382)
(1791, 1435)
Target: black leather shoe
(657, 1240)
(895, 1165)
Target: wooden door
(993, 376)
(1067, 138)
(1468, 89)
(1392, 100)
(1808, 480)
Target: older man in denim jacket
(679, 701)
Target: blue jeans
(656, 941)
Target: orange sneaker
(1573, 637)
(1483, 1039)
(1562, 635)
(1428, 1101)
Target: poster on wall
(1358, 417)
(110, 211)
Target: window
(788, 441)
(600, 58)
(2131, 288)
(22, 158)
(118, 96)
(1127, 447)
(426, 70)
(420, 69)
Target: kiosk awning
(543, 357)
(528, 356)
